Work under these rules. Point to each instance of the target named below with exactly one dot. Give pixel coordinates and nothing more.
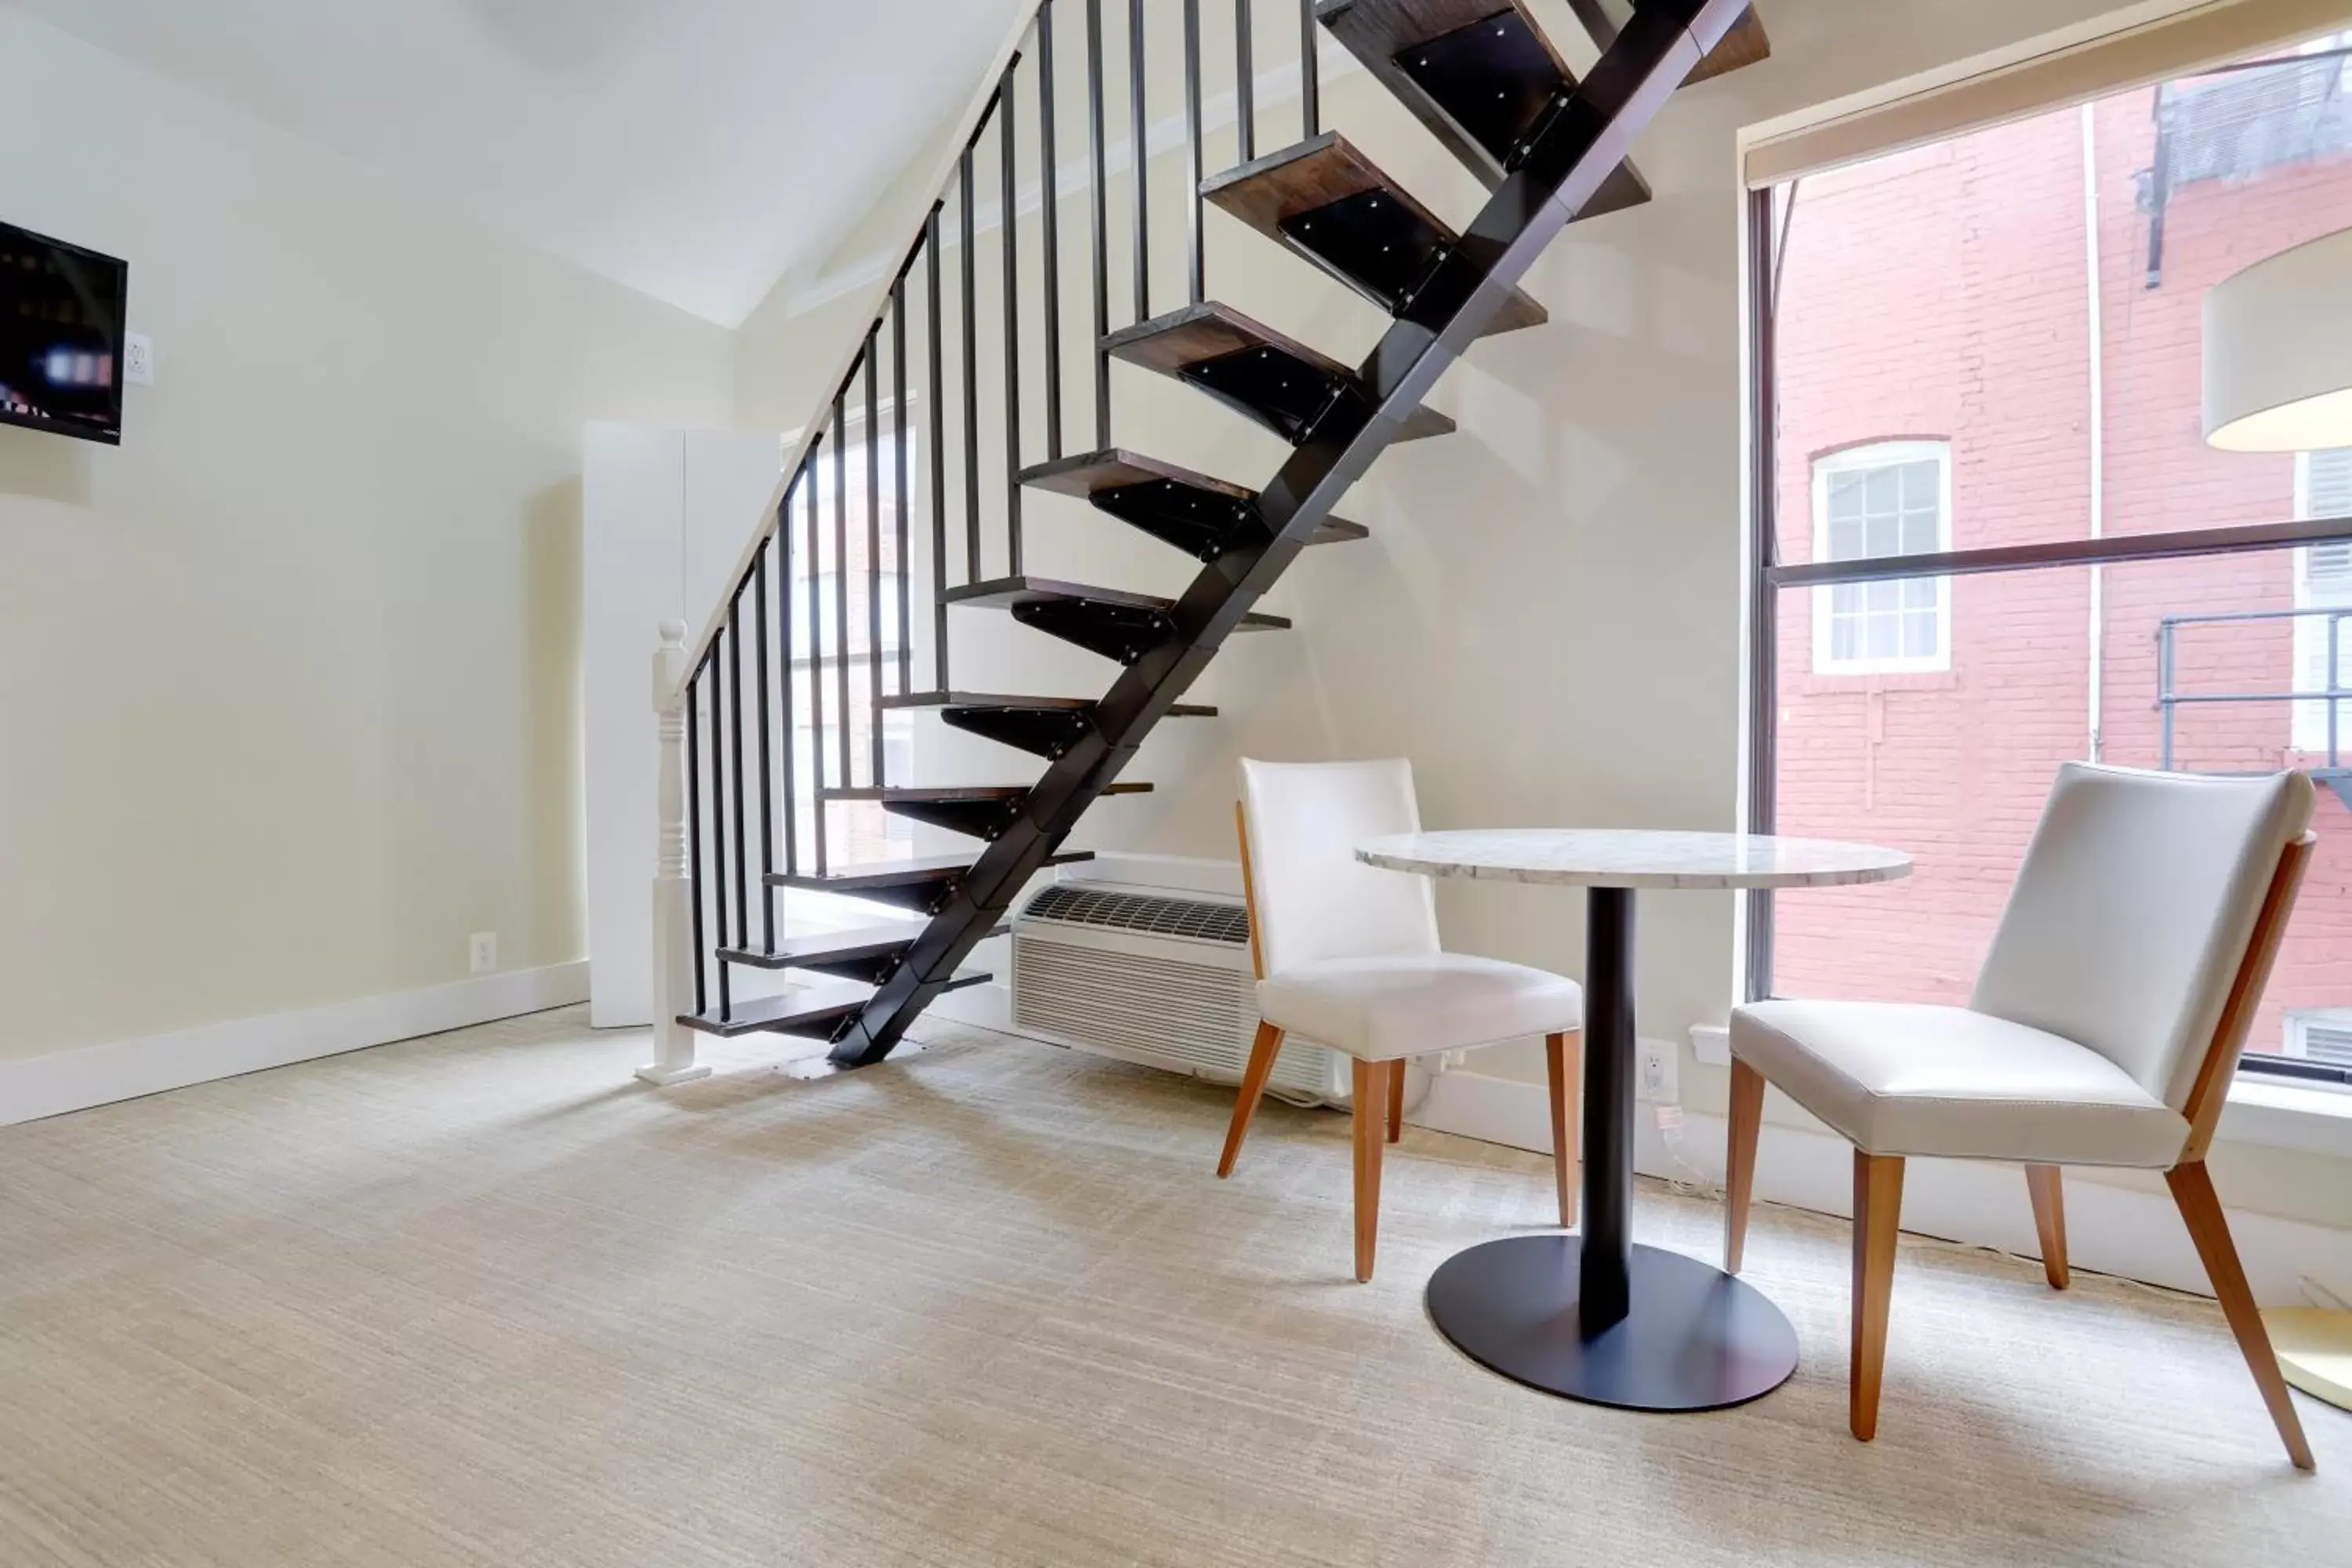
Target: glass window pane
(1919, 593)
(1921, 489)
(1842, 642)
(1885, 492)
(2022, 694)
(1845, 539)
(1845, 494)
(1883, 597)
(2259, 160)
(1922, 534)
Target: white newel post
(673, 932)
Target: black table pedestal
(1592, 1316)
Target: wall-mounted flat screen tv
(61, 312)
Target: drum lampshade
(2278, 352)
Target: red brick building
(1995, 340)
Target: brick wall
(1945, 293)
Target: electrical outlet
(482, 952)
(138, 359)
(1656, 1064)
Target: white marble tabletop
(1635, 857)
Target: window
(2323, 1035)
(2323, 581)
(834, 678)
(2018, 294)
(1892, 498)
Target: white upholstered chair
(1346, 956)
(2104, 1028)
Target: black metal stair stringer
(1582, 139)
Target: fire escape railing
(2169, 698)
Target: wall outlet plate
(138, 359)
(482, 952)
(1656, 1072)
(1711, 1044)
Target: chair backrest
(2136, 911)
(1310, 897)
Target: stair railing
(770, 718)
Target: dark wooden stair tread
(962, 792)
(1011, 593)
(802, 1010)
(820, 947)
(1478, 93)
(1203, 334)
(1745, 44)
(854, 878)
(1324, 181)
(1031, 704)
(1091, 474)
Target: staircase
(1486, 82)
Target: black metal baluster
(816, 642)
(718, 808)
(735, 758)
(1195, 278)
(841, 576)
(1050, 180)
(874, 552)
(1310, 74)
(1138, 157)
(1009, 225)
(767, 744)
(800, 485)
(898, 451)
(970, 378)
(937, 457)
(694, 834)
(1100, 201)
(1244, 82)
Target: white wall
(292, 679)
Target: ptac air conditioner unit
(1154, 979)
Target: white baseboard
(125, 1069)
(2110, 1229)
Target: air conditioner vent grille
(1146, 914)
(1192, 1017)
(2328, 1043)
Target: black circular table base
(1696, 1339)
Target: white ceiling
(692, 149)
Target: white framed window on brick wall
(1889, 498)
(2323, 581)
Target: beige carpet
(478, 1300)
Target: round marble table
(1591, 1316)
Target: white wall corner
(76, 1079)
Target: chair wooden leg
(1371, 1083)
(1396, 1100)
(2049, 1220)
(1261, 1067)
(1740, 1160)
(2201, 1206)
(1877, 1220)
(1564, 1066)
